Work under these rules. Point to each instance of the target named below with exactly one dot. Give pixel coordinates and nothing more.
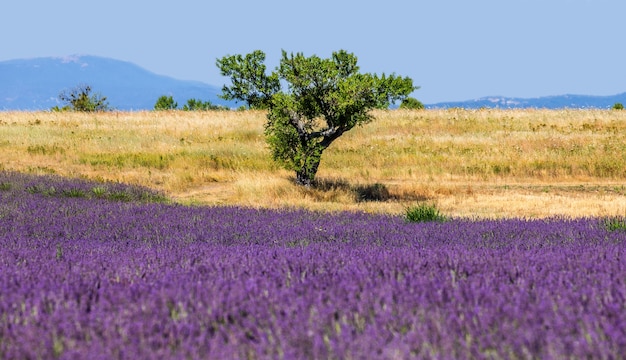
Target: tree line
(82, 99)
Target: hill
(34, 84)
(547, 102)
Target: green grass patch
(42, 190)
(424, 213)
(615, 223)
(74, 193)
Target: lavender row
(58, 186)
(90, 278)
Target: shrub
(618, 106)
(199, 105)
(424, 213)
(411, 104)
(81, 99)
(165, 103)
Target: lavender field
(92, 270)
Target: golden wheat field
(470, 163)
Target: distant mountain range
(35, 84)
(547, 102)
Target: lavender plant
(93, 278)
(51, 185)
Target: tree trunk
(303, 179)
(306, 174)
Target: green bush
(199, 105)
(424, 213)
(618, 106)
(81, 99)
(165, 103)
(411, 104)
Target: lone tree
(323, 99)
(81, 99)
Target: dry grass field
(471, 163)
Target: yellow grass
(485, 163)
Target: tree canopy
(80, 98)
(311, 101)
(165, 102)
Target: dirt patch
(209, 194)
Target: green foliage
(618, 106)
(168, 103)
(615, 224)
(411, 104)
(250, 83)
(323, 99)
(80, 98)
(423, 213)
(99, 191)
(42, 189)
(59, 252)
(199, 105)
(165, 103)
(74, 193)
(56, 108)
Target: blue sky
(453, 49)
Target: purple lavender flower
(87, 277)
